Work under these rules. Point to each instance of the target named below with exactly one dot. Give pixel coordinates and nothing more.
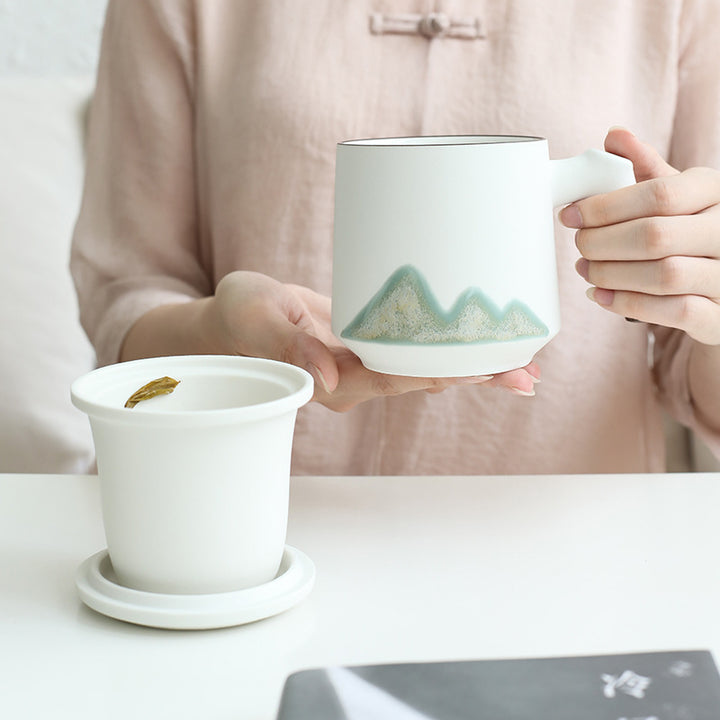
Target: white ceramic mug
(195, 484)
(444, 251)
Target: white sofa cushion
(42, 346)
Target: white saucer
(100, 590)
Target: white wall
(50, 37)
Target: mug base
(437, 361)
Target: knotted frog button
(434, 24)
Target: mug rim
(299, 386)
(440, 140)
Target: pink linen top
(212, 148)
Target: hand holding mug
(255, 315)
(652, 251)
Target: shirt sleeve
(696, 141)
(135, 244)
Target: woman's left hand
(652, 251)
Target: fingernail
(571, 217)
(601, 296)
(315, 371)
(535, 380)
(474, 379)
(582, 266)
(620, 127)
(523, 393)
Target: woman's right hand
(253, 314)
(257, 315)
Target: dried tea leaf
(161, 386)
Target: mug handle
(593, 172)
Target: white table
(407, 569)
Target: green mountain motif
(405, 310)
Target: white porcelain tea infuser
(194, 485)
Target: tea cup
(444, 251)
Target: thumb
(292, 333)
(646, 161)
(311, 354)
(276, 324)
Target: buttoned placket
(438, 26)
(429, 25)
